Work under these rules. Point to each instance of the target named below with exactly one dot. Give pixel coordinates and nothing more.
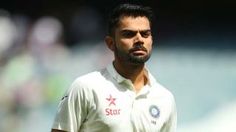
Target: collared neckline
(111, 69)
(120, 79)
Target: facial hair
(129, 57)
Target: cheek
(124, 44)
(149, 45)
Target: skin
(131, 32)
(130, 35)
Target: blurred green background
(45, 45)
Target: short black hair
(127, 10)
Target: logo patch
(111, 110)
(111, 100)
(154, 111)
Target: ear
(110, 43)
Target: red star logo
(111, 100)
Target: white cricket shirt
(104, 101)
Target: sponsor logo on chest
(111, 109)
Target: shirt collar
(112, 71)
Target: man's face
(133, 40)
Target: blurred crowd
(37, 66)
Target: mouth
(138, 51)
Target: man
(124, 96)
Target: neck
(135, 72)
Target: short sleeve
(72, 109)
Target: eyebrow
(135, 31)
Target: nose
(138, 38)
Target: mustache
(138, 47)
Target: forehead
(133, 23)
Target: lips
(138, 50)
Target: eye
(146, 33)
(128, 34)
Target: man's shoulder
(98, 77)
(161, 90)
(90, 77)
